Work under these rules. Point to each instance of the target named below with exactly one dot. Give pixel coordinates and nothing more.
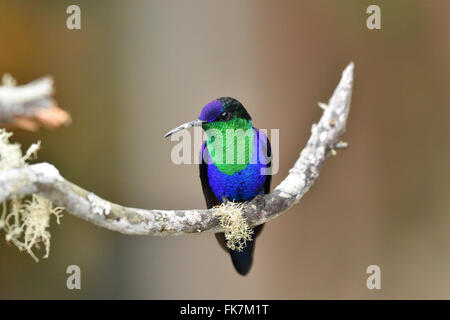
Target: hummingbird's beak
(195, 123)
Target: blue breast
(243, 185)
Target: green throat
(230, 144)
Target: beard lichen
(25, 222)
(11, 153)
(236, 230)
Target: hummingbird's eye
(225, 116)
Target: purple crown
(211, 111)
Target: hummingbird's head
(223, 111)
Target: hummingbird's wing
(210, 197)
(264, 143)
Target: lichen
(8, 80)
(11, 153)
(98, 205)
(231, 218)
(25, 222)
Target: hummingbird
(237, 181)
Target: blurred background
(139, 68)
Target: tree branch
(23, 106)
(45, 180)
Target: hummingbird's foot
(224, 200)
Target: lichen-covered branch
(45, 180)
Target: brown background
(138, 68)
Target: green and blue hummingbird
(237, 181)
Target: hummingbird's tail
(243, 260)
